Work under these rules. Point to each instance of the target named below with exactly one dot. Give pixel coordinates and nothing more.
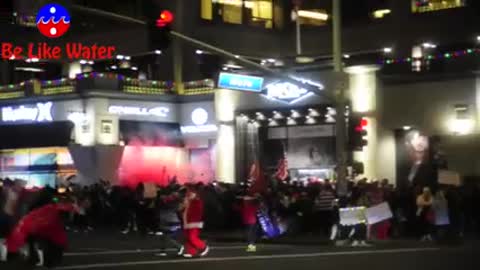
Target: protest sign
(352, 216)
(440, 208)
(150, 191)
(379, 213)
(268, 226)
(449, 178)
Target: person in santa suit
(193, 224)
(43, 231)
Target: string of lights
(438, 56)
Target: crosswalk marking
(241, 258)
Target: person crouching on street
(43, 231)
(193, 224)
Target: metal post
(177, 51)
(298, 31)
(340, 124)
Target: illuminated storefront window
(252, 12)
(419, 6)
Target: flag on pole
(257, 178)
(282, 169)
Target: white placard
(150, 191)
(449, 178)
(378, 213)
(441, 213)
(352, 216)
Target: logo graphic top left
(53, 20)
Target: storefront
(265, 122)
(120, 140)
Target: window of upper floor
(420, 6)
(354, 12)
(259, 13)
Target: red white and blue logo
(53, 20)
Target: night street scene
(240, 134)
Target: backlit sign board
(287, 92)
(41, 112)
(240, 82)
(135, 110)
(199, 118)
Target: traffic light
(159, 30)
(357, 132)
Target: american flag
(282, 169)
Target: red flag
(282, 169)
(257, 179)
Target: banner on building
(378, 213)
(352, 216)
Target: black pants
(6, 223)
(252, 233)
(52, 253)
(325, 221)
(360, 233)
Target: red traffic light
(165, 18)
(364, 123)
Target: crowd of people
(182, 211)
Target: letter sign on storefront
(132, 110)
(200, 119)
(42, 112)
(287, 92)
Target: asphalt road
(138, 253)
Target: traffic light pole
(340, 101)
(177, 51)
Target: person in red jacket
(249, 209)
(193, 224)
(43, 230)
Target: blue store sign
(240, 82)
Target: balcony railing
(103, 82)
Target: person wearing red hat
(193, 224)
